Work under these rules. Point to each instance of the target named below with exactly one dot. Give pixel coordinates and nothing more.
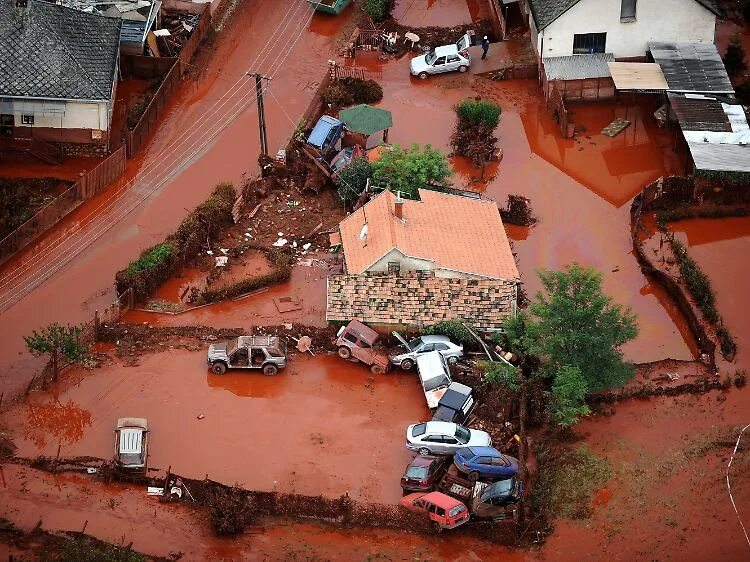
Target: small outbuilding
(366, 120)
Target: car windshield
(456, 510)
(419, 429)
(231, 346)
(413, 344)
(130, 459)
(416, 472)
(462, 434)
(500, 488)
(430, 57)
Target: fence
(89, 185)
(191, 45)
(556, 107)
(145, 67)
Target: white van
(434, 375)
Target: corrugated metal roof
(699, 114)
(578, 67)
(692, 67)
(720, 157)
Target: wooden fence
(556, 107)
(194, 41)
(89, 185)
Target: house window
(587, 43)
(394, 268)
(627, 10)
(27, 119)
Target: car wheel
(422, 75)
(270, 370)
(463, 68)
(377, 370)
(345, 352)
(473, 476)
(219, 368)
(437, 527)
(452, 360)
(424, 451)
(407, 364)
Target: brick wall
(419, 299)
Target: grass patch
(85, 549)
(567, 480)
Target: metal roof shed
(578, 67)
(692, 67)
(366, 120)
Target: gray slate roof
(547, 11)
(49, 51)
(692, 67)
(578, 67)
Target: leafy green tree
(734, 57)
(58, 342)
(378, 10)
(573, 323)
(568, 395)
(409, 170)
(352, 179)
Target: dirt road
(39, 287)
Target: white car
(409, 352)
(443, 438)
(443, 59)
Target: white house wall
(408, 264)
(656, 20)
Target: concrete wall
(63, 121)
(656, 20)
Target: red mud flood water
(261, 33)
(322, 426)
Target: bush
(350, 90)
(727, 343)
(282, 271)
(479, 112)
(352, 179)
(156, 264)
(85, 549)
(230, 510)
(454, 329)
(697, 282)
(408, 171)
(378, 10)
(336, 95)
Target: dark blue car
(485, 462)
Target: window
(587, 43)
(440, 61)
(419, 429)
(394, 268)
(27, 119)
(440, 347)
(350, 337)
(426, 347)
(453, 58)
(364, 345)
(440, 511)
(627, 10)
(500, 461)
(450, 440)
(433, 439)
(484, 460)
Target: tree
(568, 395)
(59, 342)
(352, 179)
(409, 170)
(734, 57)
(573, 323)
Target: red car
(444, 511)
(423, 473)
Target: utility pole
(261, 112)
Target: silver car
(265, 353)
(424, 344)
(131, 444)
(443, 438)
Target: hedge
(159, 262)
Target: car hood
(418, 64)
(479, 438)
(217, 350)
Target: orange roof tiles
(457, 233)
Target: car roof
(435, 339)
(447, 428)
(320, 131)
(431, 365)
(423, 460)
(485, 451)
(364, 332)
(441, 500)
(455, 397)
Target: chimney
(398, 207)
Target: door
(451, 444)
(435, 444)
(6, 125)
(464, 43)
(257, 357)
(439, 66)
(240, 359)
(452, 63)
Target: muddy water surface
(322, 426)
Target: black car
(456, 404)
(495, 501)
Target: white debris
(294, 244)
(221, 261)
(281, 234)
(209, 252)
(248, 235)
(306, 247)
(224, 251)
(280, 242)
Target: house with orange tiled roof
(413, 263)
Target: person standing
(485, 47)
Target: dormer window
(627, 11)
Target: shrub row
(697, 282)
(350, 90)
(159, 262)
(282, 263)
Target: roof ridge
(70, 55)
